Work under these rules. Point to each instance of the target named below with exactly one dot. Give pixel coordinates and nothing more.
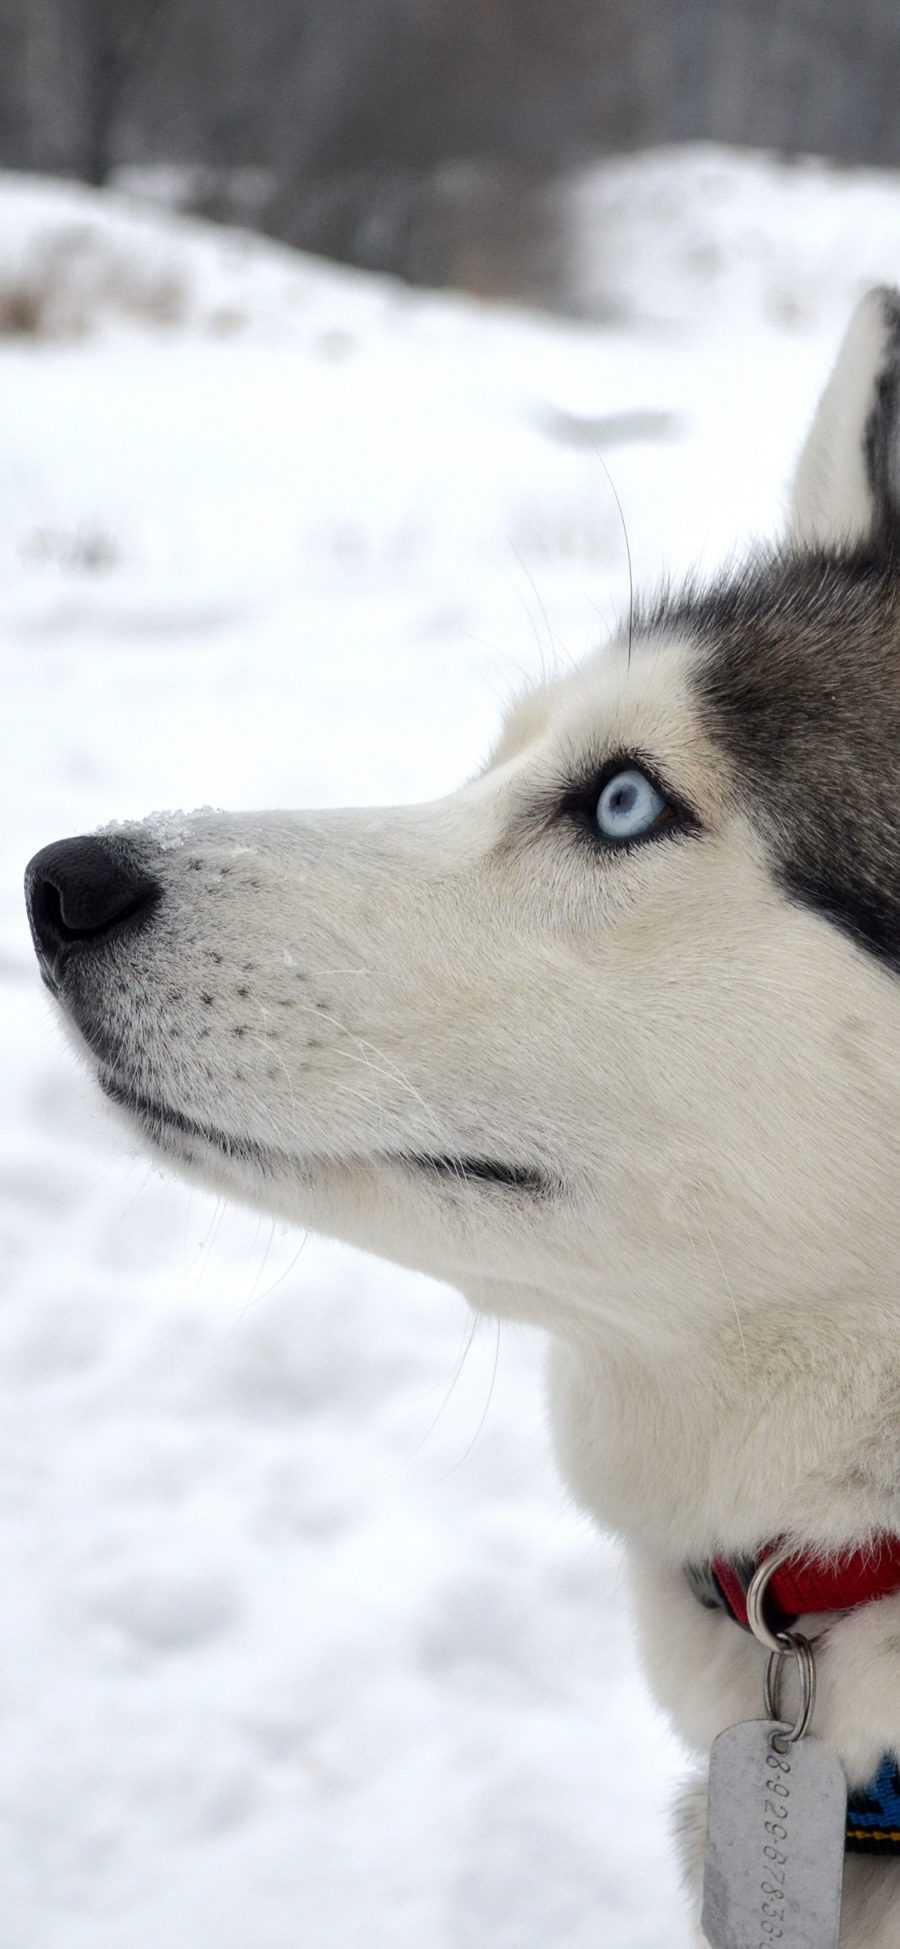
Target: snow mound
(73, 259)
(684, 235)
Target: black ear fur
(883, 431)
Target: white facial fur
(695, 1063)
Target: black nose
(79, 891)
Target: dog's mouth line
(156, 1118)
(486, 1169)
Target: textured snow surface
(301, 1641)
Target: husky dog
(610, 1039)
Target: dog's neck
(783, 1425)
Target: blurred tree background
(427, 137)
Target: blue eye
(629, 806)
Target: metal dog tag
(775, 1842)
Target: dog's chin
(248, 1167)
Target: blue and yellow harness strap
(873, 1813)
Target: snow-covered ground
(301, 1642)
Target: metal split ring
(793, 1646)
(756, 1595)
(781, 1645)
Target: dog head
(616, 1022)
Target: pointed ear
(846, 489)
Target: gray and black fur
(801, 687)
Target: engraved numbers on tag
(776, 1850)
(775, 1847)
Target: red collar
(804, 1584)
